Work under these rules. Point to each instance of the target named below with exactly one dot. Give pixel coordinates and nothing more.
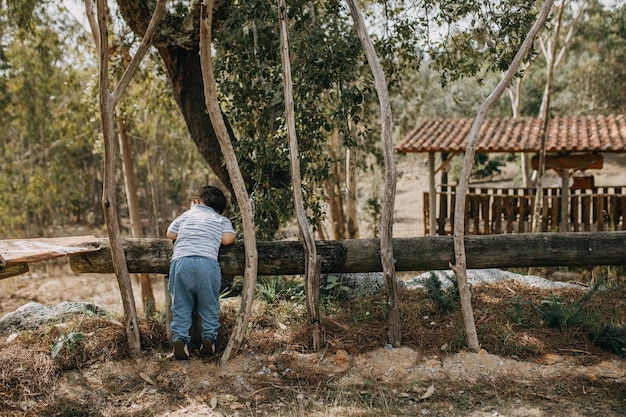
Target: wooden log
(363, 255)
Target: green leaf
(56, 348)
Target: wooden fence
(509, 210)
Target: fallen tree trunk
(363, 255)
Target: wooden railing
(509, 210)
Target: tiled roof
(566, 134)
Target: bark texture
(460, 266)
(240, 192)
(177, 41)
(389, 187)
(363, 255)
(311, 260)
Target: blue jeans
(195, 280)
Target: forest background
(441, 60)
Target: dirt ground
(524, 369)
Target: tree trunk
(180, 51)
(460, 267)
(239, 188)
(351, 193)
(515, 95)
(333, 189)
(108, 101)
(389, 191)
(147, 293)
(311, 259)
(553, 60)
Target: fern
(445, 300)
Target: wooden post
(432, 196)
(565, 200)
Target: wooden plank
(13, 270)
(622, 212)
(509, 211)
(485, 213)
(497, 214)
(555, 210)
(426, 212)
(569, 161)
(363, 255)
(575, 206)
(20, 251)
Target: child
(195, 276)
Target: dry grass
(508, 322)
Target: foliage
(334, 289)
(486, 166)
(164, 159)
(593, 68)
(328, 89)
(50, 175)
(52, 153)
(444, 300)
(610, 337)
(477, 36)
(66, 343)
(275, 288)
(45, 140)
(517, 311)
(558, 313)
(373, 209)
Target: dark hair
(212, 197)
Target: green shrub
(444, 300)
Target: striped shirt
(199, 232)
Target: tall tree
(247, 213)
(312, 261)
(460, 266)
(389, 187)
(108, 101)
(147, 293)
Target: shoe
(207, 348)
(181, 352)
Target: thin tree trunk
(351, 193)
(432, 196)
(544, 114)
(515, 95)
(460, 267)
(239, 187)
(311, 259)
(147, 293)
(333, 189)
(389, 192)
(108, 101)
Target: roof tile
(566, 134)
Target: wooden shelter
(573, 144)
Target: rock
(487, 276)
(32, 315)
(355, 285)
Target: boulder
(32, 315)
(358, 284)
